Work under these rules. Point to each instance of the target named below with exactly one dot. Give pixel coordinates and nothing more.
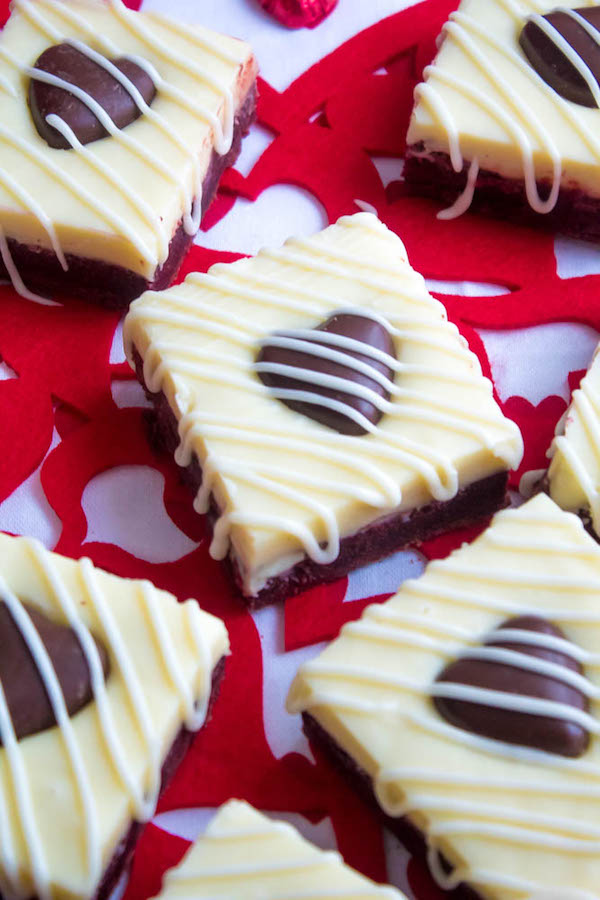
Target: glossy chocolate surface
(544, 733)
(68, 63)
(359, 328)
(553, 65)
(28, 703)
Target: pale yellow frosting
(285, 484)
(483, 101)
(574, 473)
(69, 794)
(516, 822)
(243, 854)
(79, 192)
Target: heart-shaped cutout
(67, 62)
(553, 43)
(28, 703)
(325, 374)
(528, 637)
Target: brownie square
(324, 409)
(467, 705)
(115, 129)
(104, 682)
(245, 855)
(505, 123)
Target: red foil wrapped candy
(299, 13)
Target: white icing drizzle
(462, 812)
(191, 198)
(102, 209)
(187, 64)
(143, 802)
(166, 88)
(458, 30)
(276, 863)
(13, 274)
(469, 694)
(182, 360)
(464, 200)
(585, 407)
(569, 53)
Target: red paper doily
(327, 126)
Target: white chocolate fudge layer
(118, 199)
(482, 101)
(286, 485)
(243, 854)
(70, 793)
(574, 473)
(516, 822)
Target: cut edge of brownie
(430, 174)
(359, 780)
(387, 535)
(113, 286)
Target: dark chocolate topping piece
(544, 733)
(23, 685)
(68, 63)
(351, 325)
(552, 64)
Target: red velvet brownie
(115, 129)
(325, 410)
(466, 707)
(506, 121)
(103, 682)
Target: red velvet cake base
(112, 286)
(394, 532)
(575, 214)
(124, 850)
(402, 828)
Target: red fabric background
(325, 128)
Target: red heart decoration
(299, 13)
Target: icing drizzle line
(143, 798)
(221, 874)
(585, 404)
(359, 456)
(522, 121)
(347, 688)
(191, 198)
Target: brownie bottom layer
(575, 213)
(360, 781)
(124, 851)
(112, 286)
(472, 503)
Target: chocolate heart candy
(306, 370)
(68, 63)
(542, 732)
(542, 47)
(23, 685)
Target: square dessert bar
(103, 681)
(467, 708)
(115, 127)
(507, 118)
(325, 409)
(243, 854)
(573, 479)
